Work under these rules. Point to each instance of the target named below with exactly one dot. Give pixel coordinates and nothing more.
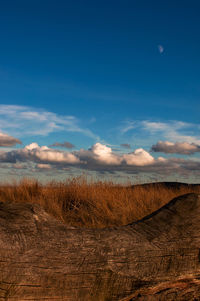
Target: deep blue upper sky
(96, 54)
(100, 62)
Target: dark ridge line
(166, 206)
(166, 184)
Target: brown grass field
(80, 202)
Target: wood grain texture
(156, 258)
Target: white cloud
(100, 156)
(6, 140)
(139, 157)
(34, 146)
(104, 154)
(37, 154)
(45, 154)
(184, 148)
(27, 121)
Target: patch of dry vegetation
(83, 203)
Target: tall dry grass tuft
(84, 203)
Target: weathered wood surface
(157, 258)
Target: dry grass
(83, 203)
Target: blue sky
(112, 78)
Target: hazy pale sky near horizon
(110, 88)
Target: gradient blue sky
(106, 72)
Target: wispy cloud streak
(27, 121)
(174, 131)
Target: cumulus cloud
(44, 154)
(6, 140)
(65, 144)
(35, 153)
(183, 148)
(125, 145)
(26, 121)
(104, 154)
(139, 157)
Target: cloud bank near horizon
(98, 158)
